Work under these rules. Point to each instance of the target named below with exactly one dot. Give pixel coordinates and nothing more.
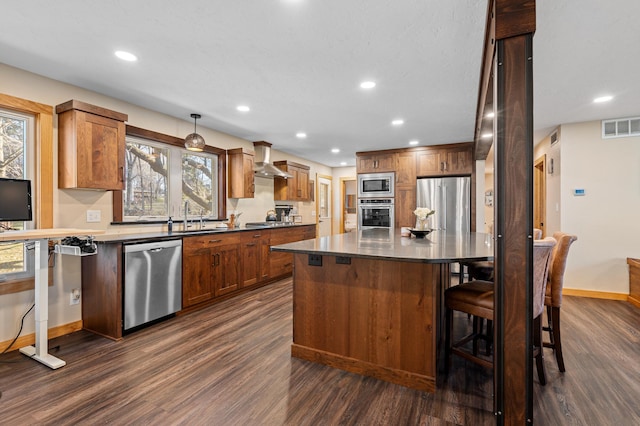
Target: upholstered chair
(476, 298)
(553, 297)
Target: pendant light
(194, 142)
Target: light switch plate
(93, 216)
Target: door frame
(329, 178)
(343, 193)
(540, 194)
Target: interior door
(323, 205)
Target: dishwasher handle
(153, 246)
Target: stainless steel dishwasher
(152, 282)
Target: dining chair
(476, 298)
(483, 269)
(553, 296)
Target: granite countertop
(159, 236)
(438, 247)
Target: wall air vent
(554, 138)
(621, 128)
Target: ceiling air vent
(621, 128)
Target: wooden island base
(375, 317)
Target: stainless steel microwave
(376, 185)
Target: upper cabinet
(241, 176)
(372, 163)
(91, 145)
(445, 160)
(295, 188)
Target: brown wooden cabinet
(91, 145)
(372, 163)
(281, 264)
(241, 175)
(295, 188)
(210, 267)
(410, 164)
(255, 257)
(445, 160)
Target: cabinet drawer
(211, 240)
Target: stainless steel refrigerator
(450, 197)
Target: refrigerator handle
(443, 220)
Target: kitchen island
(370, 302)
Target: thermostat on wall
(579, 192)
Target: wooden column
(513, 182)
(506, 89)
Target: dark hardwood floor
(230, 364)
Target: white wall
(70, 205)
(606, 218)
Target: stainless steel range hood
(262, 166)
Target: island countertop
(437, 247)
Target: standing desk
(41, 237)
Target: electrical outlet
(74, 296)
(93, 216)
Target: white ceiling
(298, 64)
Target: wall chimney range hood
(262, 166)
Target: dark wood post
(506, 88)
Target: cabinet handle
(250, 244)
(121, 174)
(257, 236)
(215, 241)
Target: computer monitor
(15, 200)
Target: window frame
(42, 179)
(137, 132)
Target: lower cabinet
(215, 265)
(281, 264)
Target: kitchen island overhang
(370, 303)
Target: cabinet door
(428, 163)
(457, 161)
(196, 274)
(405, 204)
(241, 176)
(100, 152)
(226, 268)
(251, 263)
(91, 151)
(406, 168)
(375, 163)
(303, 185)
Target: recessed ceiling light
(414, 142)
(487, 135)
(243, 108)
(602, 99)
(490, 114)
(398, 122)
(335, 150)
(368, 84)
(126, 56)
(343, 163)
(301, 135)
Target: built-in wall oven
(375, 213)
(376, 185)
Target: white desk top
(39, 234)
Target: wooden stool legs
(553, 321)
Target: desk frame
(41, 237)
